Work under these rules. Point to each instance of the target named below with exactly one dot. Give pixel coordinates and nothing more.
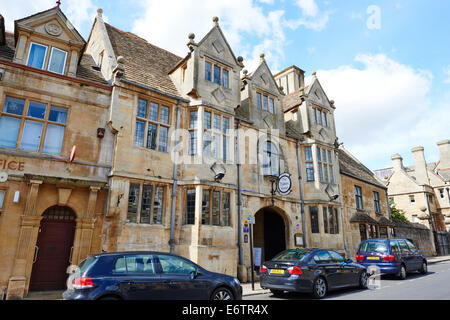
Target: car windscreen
(86, 264)
(373, 247)
(292, 256)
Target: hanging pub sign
(284, 184)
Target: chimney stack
(2, 31)
(397, 162)
(444, 151)
(420, 166)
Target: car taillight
(295, 270)
(82, 283)
(263, 269)
(360, 257)
(389, 257)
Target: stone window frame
(48, 56)
(359, 196)
(147, 121)
(315, 227)
(270, 97)
(154, 186)
(376, 202)
(225, 137)
(325, 166)
(2, 203)
(309, 164)
(221, 78)
(320, 116)
(330, 218)
(24, 117)
(211, 190)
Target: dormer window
(56, 61)
(216, 74)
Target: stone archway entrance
(53, 249)
(269, 233)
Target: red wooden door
(54, 245)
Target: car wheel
(363, 280)
(402, 273)
(276, 292)
(319, 288)
(222, 294)
(424, 268)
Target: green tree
(398, 215)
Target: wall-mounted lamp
(219, 176)
(335, 197)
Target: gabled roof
(145, 63)
(350, 166)
(56, 10)
(292, 100)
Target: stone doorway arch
(270, 232)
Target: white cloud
(78, 12)
(384, 108)
(311, 18)
(168, 23)
(447, 74)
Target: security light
(219, 176)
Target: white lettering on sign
(284, 184)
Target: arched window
(271, 159)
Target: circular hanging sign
(284, 184)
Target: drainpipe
(175, 182)
(302, 204)
(240, 251)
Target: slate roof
(362, 217)
(145, 63)
(85, 68)
(292, 99)
(353, 168)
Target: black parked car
(315, 271)
(148, 276)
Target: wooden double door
(53, 250)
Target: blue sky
(390, 80)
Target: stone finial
(281, 89)
(191, 44)
(245, 72)
(191, 36)
(99, 12)
(314, 74)
(261, 56)
(216, 21)
(120, 60)
(332, 102)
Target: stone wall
(421, 236)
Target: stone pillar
(26, 246)
(195, 235)
(73, 63)
(85, 229)
(420, 166)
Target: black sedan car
(315, 271)
(148, 276)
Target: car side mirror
(195, 273)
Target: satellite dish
(3, 176)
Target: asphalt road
(433, 286)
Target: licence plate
(373, 258)
(276, 271)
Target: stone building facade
(152, 151)
(366, 211)
(422, 190)
(53, 105)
